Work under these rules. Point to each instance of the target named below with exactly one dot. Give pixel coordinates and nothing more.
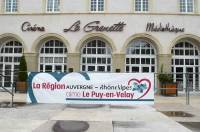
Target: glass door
(8, 75)
(190, 78)
(179, 78)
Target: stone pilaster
(165, 60)
(73, 61)
(118, 62)
(32, 61)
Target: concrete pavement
(115, 118)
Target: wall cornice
(101, 13)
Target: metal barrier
(185, 83)
(8, 91)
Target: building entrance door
(179, 78)
(185, 65)
(190, 78)
(185, 77)
(9, 75)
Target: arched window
(140, 57)
(96, 56)
(53, 57)
(11, 53)
(185, 59)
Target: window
(185, 65)
(11, 53)
(11, 6)
(141, 5)
(53, 57)
(97, 5)
(186, 6)
(140, 57)
(53, 5)
(96, 57)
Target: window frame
(142, 6)
(186, 7)
(151, 56)
(97, 7)
(50, 46)
(53, 6)
(11, 52)
(104, 58)
(11, 8)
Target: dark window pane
(89, 60)
(138, 51)
(143, 61)
(83, 68)
(89, 51)
(191, 62)
(176, 52)
(152, 52)
(152, 61)
(196, 61)
(99, 51)
(132, 60)
(137, 61)
(196, 52)
(145, 69)
(48, 68)
(127, 68)
(143, 51)
(93, 60)
(187, 45)
(135, 69)
(148, 51)
(191, 52)
(93, 50)
(84, 51)
(98, 60)
(147, 61)
(65, 68)
(103, 60)
(187, 52)
(101, 68)
(83, 60)
(108, 60)
(181, 52)
(152, 69)
(41, 68)
(127, 60)
(108, 68)
(176, 61)
(91, 68)
(181, 62)
(187, 62)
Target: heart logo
(142, 86)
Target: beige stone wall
(165, 60)
(111, 6)
(73, 61)
(32, 61)
(118, 62)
